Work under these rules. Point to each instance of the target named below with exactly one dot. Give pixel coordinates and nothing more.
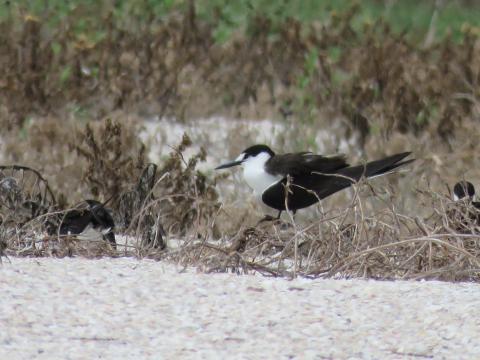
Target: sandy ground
(220, 135)
(131, 309)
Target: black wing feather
(307, 190)
(75, 221)
(304, 163)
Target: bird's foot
(266, 218)
(284, 225)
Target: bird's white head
(256, 154)
(253, 160)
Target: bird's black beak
(229, 164)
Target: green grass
(228, 16)
(411, 16)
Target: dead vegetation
(380, 86)
(173, 212)
(147, 203)
(349, 243)
(175, 68)
(109, 167)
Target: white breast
(90, 233)
(256, 176)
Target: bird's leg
(265, 218)
(270, 218)
(288, 224)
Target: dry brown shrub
(137, 214)
(188, 197)
(114, 158)
(350, 243)
(355, 241)
(178, 198)
(176, 68)
(97, 160)
(24, 195)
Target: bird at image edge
(90, 223)
(465, 190)
(310, 177)
(463, 218)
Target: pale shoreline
(75, 308)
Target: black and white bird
(464, 190)
(310, 177)
(467, 212)
(92, 222)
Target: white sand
(130, 309)
(212, 133)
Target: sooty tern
(465, 190)
(464, 217)
(92, 222)
(310, 177)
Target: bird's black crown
(257, 149)
(463, 189)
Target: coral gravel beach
(125, 308)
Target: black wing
(102, 218)
(75, 221)
(303, 191)
(300, 167)
(110, 237)
(304, 163)
(307, 190)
